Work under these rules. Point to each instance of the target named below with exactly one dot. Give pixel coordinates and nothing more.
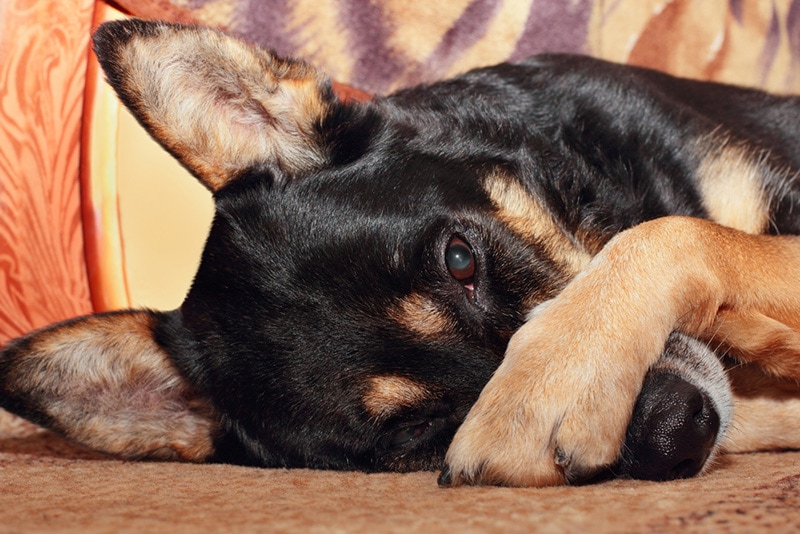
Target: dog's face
(351, 316)
(366, 267)
(358, 286)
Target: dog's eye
(460, 261)
(409, 433)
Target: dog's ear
(217, 104)
(103, 381)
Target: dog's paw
(558, 406)
(555, 412)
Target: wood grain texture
(43, 47)
(100, 202)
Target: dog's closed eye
(409, 432)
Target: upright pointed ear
(104, 382)
(218, 105)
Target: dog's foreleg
(558, 406)
(766, 414)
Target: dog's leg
(764, 422)
(753, 336)
(766, 414)
(558, 406)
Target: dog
(546, 272)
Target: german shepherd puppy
(558, 253)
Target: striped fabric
(380, 45)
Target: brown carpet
(49, 485)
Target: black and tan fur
(590, 242)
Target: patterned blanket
(381, 45)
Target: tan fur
(222, 106)
(421, 315)
(387, 394)
(767, 412)
(730, 184)
(106, 384)
(526, 216)
(558, 405)
(764, 422)
(751, 336)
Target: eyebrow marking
(731, 182)
(525, 215)
(387, 394)
(421, 315)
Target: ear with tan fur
(104, 382)
(217, 104)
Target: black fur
(287, 314)
(290, 313)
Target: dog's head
(362, 276)
(366, 267)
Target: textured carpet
(47, 484)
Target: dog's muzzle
(672, 432)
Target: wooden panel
(145, 217)
(43, 46)
(105, 261)
(164, 217)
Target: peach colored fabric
(42, 62)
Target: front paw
(554, 413)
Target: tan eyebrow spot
(420, 315)
(527, 217)
(387, 394)
(731, 185)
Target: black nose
(672, 431)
